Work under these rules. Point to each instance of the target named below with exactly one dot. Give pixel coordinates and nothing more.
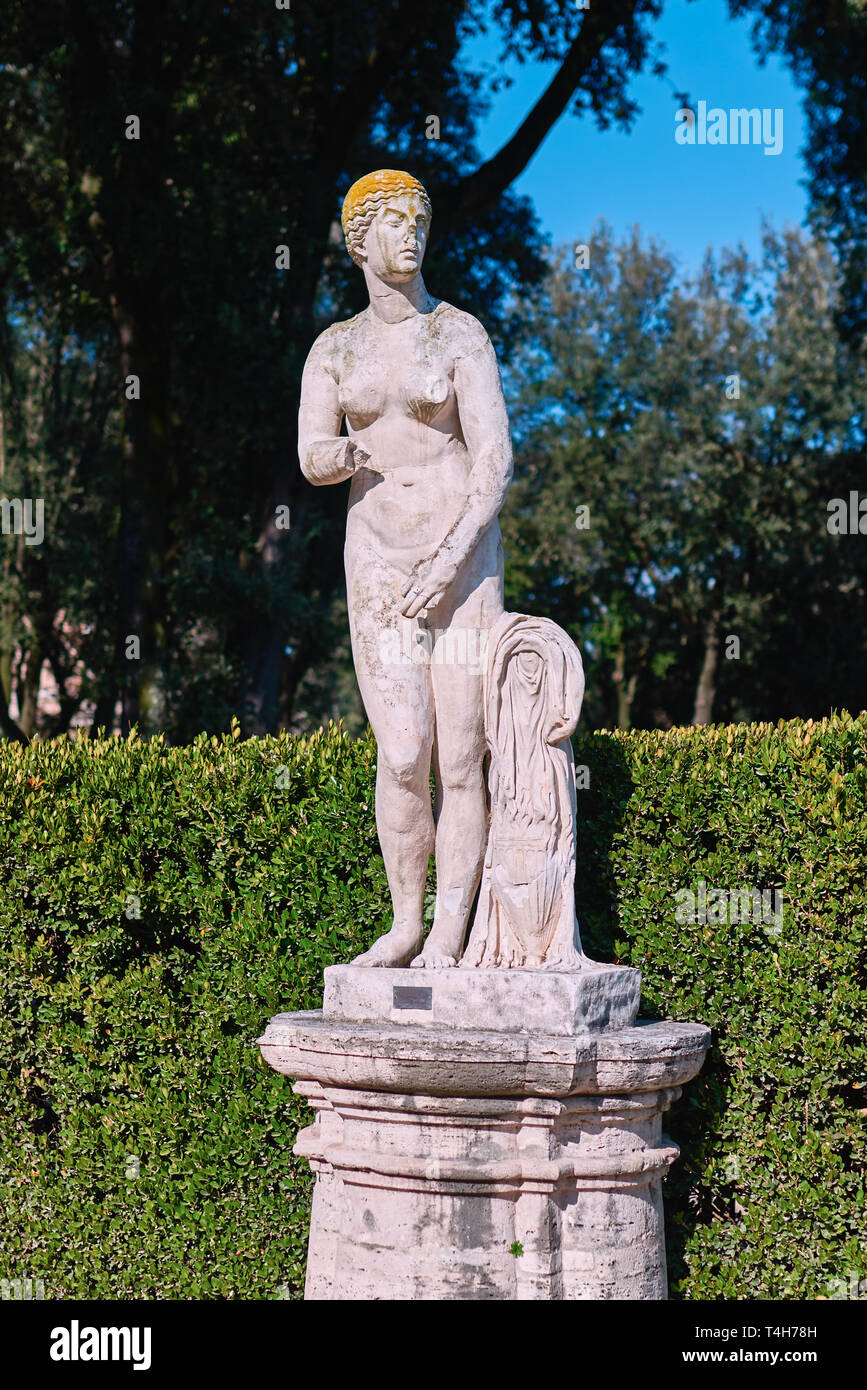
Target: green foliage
(255, 865)
(825, 45)
(706, 425)
(147, 1148)
(767, 1201)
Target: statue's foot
(434, 957)
(567, 960)
(396, 948)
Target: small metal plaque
(412, 997)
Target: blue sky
(688, 197)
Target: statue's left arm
(485, 427)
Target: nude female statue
(428, 452)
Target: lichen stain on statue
(534, 685)
(429, 458)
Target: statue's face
(396, 238)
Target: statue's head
(386, 218)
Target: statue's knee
(405, 765)
(462, 773)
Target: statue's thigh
(460, 721)
(399, 703)
(395, 685)
(462, 624)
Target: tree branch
(481, 188)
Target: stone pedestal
(560, 1003)
(506, 1162)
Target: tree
(155, 157)
(59, 434)
(677, 447)
(825, 44)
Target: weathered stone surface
(456, 1163)
(568, 1004)
(533, 689)
(431, 1203)
(428, 456)
(466, 1062)
(424, 1197)
(439, 664)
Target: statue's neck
(392, 303)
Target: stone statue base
(562, 1003)
(494, 1162)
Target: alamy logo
(847, 516)
(19, 520)
(76, 1343)
(740, 125)
(22, 1290)
(416, 645)
(710, 905)
(854, 1286)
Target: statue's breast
(415, 382)
(362, 397)
(425, 389)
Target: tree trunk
(126, 221)
(103, 715)
(7, 614)
(146, 499)
(625, 689)
(129, 540)
(267, 637)
(706, 687)
(28, 688)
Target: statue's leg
(398, 700)
(461, 831)
(457, 674)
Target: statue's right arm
(325, 455)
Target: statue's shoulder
(463, 332)
(333, 339)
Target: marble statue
(492, 1131)
(428, 453)
(534, 685)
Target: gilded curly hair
(367, 196)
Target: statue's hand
(428, 583)
(361, 458)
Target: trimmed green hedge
(159, 904)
